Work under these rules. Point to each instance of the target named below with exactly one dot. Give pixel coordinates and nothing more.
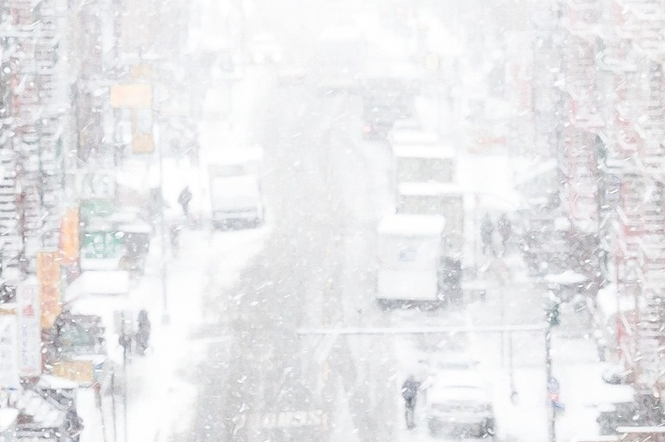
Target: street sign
(29, 329)
(101, 245)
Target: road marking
(293, 419)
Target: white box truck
(235, 192)
(432, 198)
(412, 267)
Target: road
(267, 383)
(326, 188)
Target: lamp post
(552, 313)
(165, 307)
(551, 417)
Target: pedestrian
(553, 394)
(142, 332)
(486, 232)
(184, 199)
(410, 393)
(504, 228)
(174, 234)
(73, 425)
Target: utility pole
(165, 307)
(551, 416)
(126, 340)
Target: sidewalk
(159, 397)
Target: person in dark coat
(486, 232)
(184, 199)
(73, 425)
(142, 332)
(410, 393)
(504, 228)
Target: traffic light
(553, 315)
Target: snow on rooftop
(429, 188)
(412, 225)
(237, 155)
(423, 151)
(413, 137)
(56, 382)
(99, 282)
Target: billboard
(131, 96)
(48, 274)
(69, 236)
(29, 329)
(81, 371)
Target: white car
(458, 400)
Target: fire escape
(28, 186)
(640, 235)
(50, 75)
(580, 121)
(580, 19)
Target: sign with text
(48, 274)
(81, 371)
(131, 96)
(69, 236)
(29, 329)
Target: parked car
(458, 399)
(460, 405)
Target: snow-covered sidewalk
(159, 398)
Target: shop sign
(69, 236)
(48, 274)
(29, 329)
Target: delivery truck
(235, 192)
(413, 269)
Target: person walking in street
(410, 393)
(184, 199)
(486, 234)
(142, 332)
(174, 235)
(504, 228)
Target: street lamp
(552, 313)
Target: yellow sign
(131, 96)
(77, 371)
(48, 274)
(48, 267)
(69, 236)
(141, 71)
(142, 140)
(143, 144)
